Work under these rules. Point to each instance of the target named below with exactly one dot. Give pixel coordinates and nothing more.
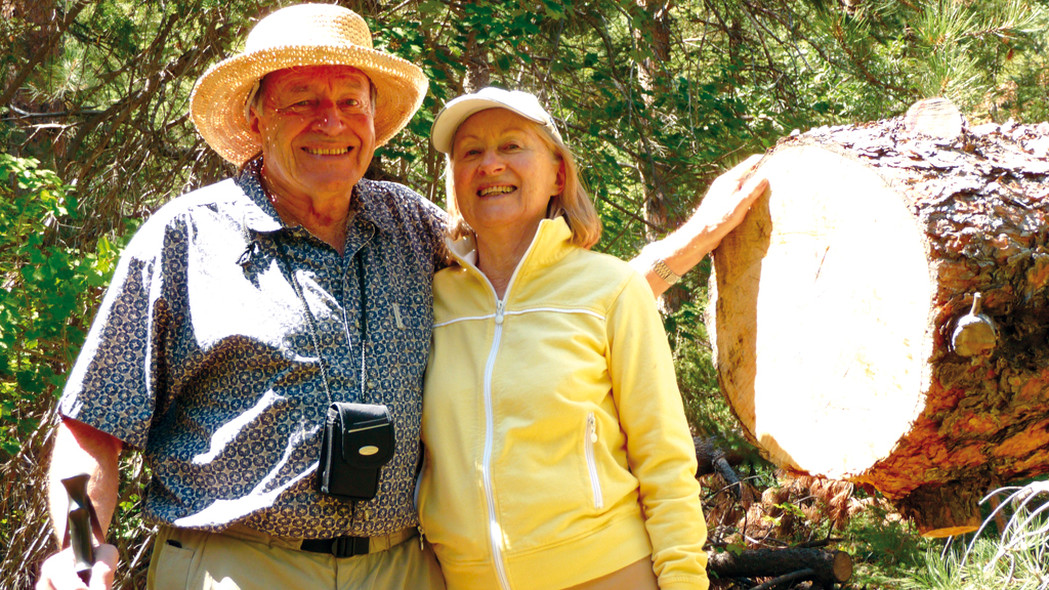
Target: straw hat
(301, 35)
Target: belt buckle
(348, 546)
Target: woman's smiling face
(504, 171)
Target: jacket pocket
(589, 443)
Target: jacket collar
(551, 242)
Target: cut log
(881, 315)
(826, 565)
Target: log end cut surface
(829, 354)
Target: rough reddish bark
(848, 342)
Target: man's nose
(329, 118)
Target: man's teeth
(328, 152)
(492, 190)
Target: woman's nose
(491, 162)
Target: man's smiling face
(317, 129)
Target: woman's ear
(561, 175)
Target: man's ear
(253, 122)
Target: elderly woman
(557, 451)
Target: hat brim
(447, 122)
(218, 99)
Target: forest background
(655, 96)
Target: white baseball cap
(460, 108)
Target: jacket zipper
(588, 444)
(494, 530)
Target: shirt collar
(261, 216)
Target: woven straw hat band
(301, 35)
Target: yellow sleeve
(659, 444)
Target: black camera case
(358, 440)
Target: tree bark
(882, 314)
(827, 565)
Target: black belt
(345, 546)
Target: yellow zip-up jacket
(557, 449)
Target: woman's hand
(726, 203)
(723, 208)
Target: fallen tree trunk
(827, 566)
(881, 315)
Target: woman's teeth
(493, 190)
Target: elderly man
(241, 312)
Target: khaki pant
(242, 559)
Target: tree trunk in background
(652, 79)
(882, 315)
(478, 72)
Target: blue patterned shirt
(224, 336)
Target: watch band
(664, 272)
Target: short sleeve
(114, 385)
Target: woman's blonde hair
(572, 203)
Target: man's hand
(79, 448)
(59, 573)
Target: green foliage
(48, 293)
(886, 549)
(961, 47)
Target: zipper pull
(591, 426)
(499, 312)
(422, 538)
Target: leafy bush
(48, 292)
